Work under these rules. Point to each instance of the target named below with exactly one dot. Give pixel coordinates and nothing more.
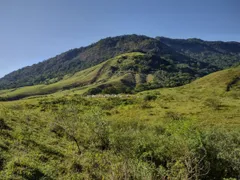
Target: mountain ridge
(217, 53)
(74, 60)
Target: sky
(35, 30)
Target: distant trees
(205, 57)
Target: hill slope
(225, 80)
(218, 54)
(188, 132)
(126, 73)
(53, 69)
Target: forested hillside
(217, 54)
(52, 70)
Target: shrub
(150, 97)
(223, 153)
(3, 125)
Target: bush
(150, 97)
(223, 153)
(3, 125)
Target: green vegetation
(188, 132)
(98, 113)
(217, 53)
(72, 61)
(204, 57)
(126, 73)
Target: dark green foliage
(58, 130)
(217, 53)
(105, 89)
(117, 101)
(223, 154)
(1, 163)
(28, 173)
(77, 168)
(112, 90)
(150, 97)
(234, 82)
(3, 125)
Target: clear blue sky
(35, 30)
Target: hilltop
(215, 55)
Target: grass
(85, 79)
(189, 132)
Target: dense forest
(218, 53)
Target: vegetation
(126, 73)
(188, 132)
(97, 112)
(67, 63)
(186, 54)
(217, 53)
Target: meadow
(187, 132)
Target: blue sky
(33, 31)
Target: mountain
(126, 73)
(217, 53)
(53, 69)
(196, 55)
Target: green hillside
(224, 81)
(218, 54)
(54, 69)
(126, 73)
(188, 132)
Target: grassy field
(188, 132)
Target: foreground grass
(190, 132)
